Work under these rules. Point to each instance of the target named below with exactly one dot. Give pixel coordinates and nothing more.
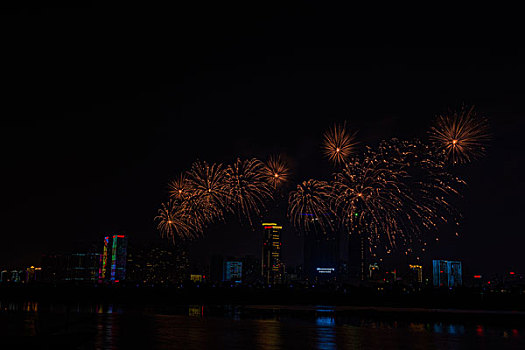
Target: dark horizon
(98, 118)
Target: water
(230, 327)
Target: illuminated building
(416, 273)
(80, 267)
(33, 274)
(321, 254)
(4, 276)
(197, 278)
(15, 276)
(271, 264)
(446, 273)
(112, 266)
(232, 271)
(157, 264)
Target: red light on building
(512, 273)
(477, 276)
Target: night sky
(103, 106)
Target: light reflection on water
(198, 327)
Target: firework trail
(338, 143)
(247, 189)
(309, 206)
(276, 171)
(461, 136)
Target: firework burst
(175, 221)
(207, 185)
(369, 197)
(309, 206)
(461, 136)
(179, 188)
(395, 191)
(276, 171)
(338, 143)
(247, 189)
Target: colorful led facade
(114, 257)
(271, 264)
(446, 273)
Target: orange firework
(461, 136)
(247, 190)
(207, 185)
(276, 171)
(179, 188)
(309, 206)
(175, 221)
(338, 143)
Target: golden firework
(338, 143)
(461, 136)
(276, 171)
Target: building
(79, 267)
(33, 274)
(161, 264)
(232, 271)
(272, 268)
(447, 273)
(112, 264)
(358, 257)
(322, 257)
(415, 274)
(216, 268)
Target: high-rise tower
(114, 256)
(271, 263)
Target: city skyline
(91, 153)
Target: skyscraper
(114, 256)
(271, 263)
(447, 273)
(321, 255)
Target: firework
(369, 197)
(276, 171)
(208, 192)
(174, 221)
(338, 143)
(309, 206)
(460, 136)
(397, 191)
(179, 188)
(247, 190)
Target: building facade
(272, 268)
(447, 273)
(112, 263)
